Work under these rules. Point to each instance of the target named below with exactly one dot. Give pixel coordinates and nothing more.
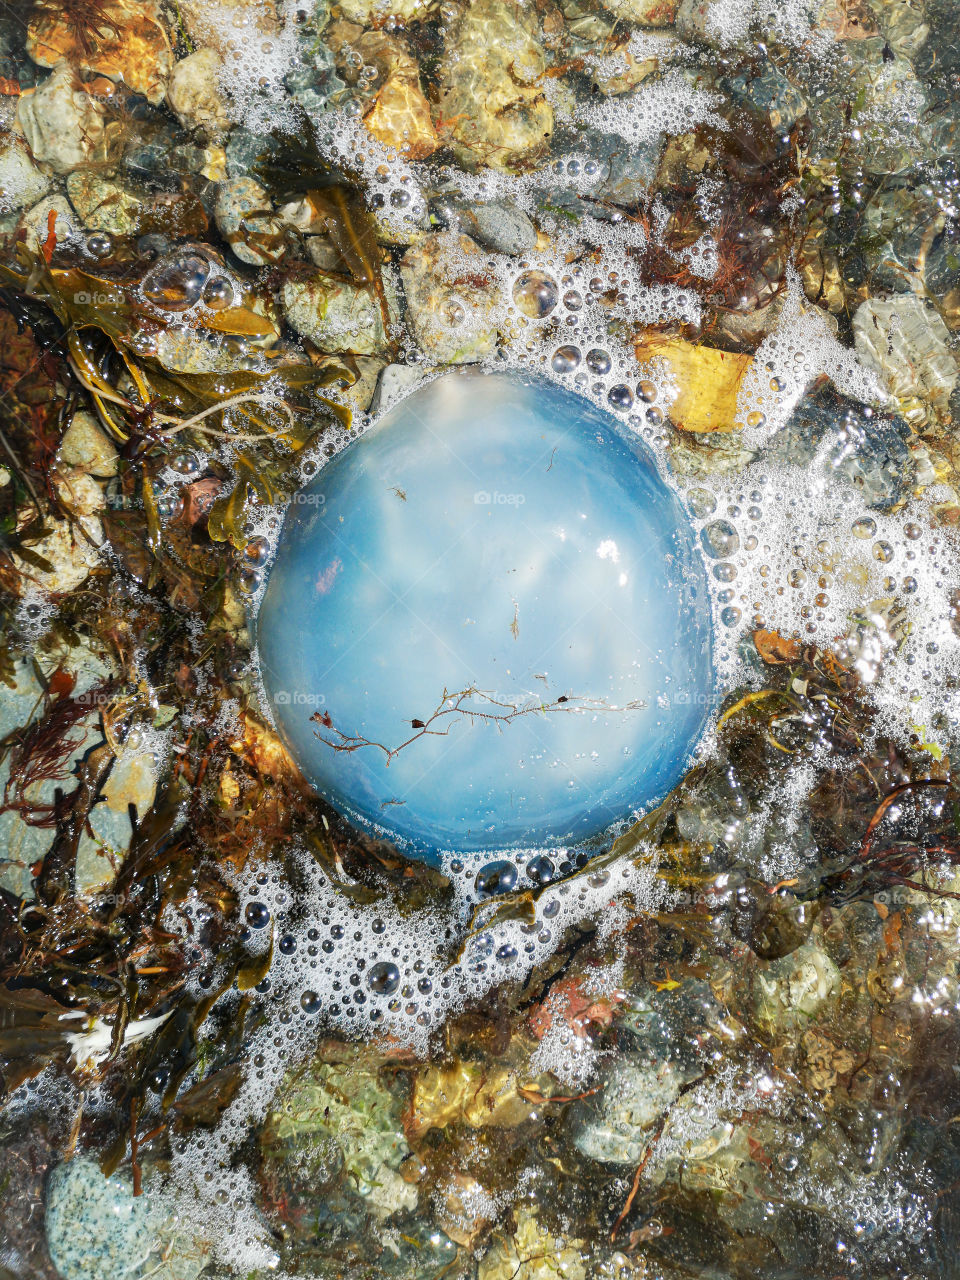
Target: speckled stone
(96, 1228)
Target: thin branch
(452, 706)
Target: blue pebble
(492, 545)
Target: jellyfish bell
(487, 624)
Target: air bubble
(565, 359)
(177, 283)
(384, 978)
(702, 503)
(720, 539)
(541, 869)
(496, 877)
(185, 462)
(598, 361)
(536, 294)
(218, 293)
(453, 312)
(99, 245)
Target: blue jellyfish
(487, 624)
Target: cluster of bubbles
(186, 278)
(366, 969)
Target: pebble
(492, 87)
(708, 382)
(315, 81)
(533, 1253)
(452, 315)
(619, 69)
(35, 222)
(870, 450)
(195, 95)
(395, 382)
(636, 1093)
(715, 22)
(97, 1229)
(644, 13)
(63, 126)
(888, 124)
(369, 12)
(103, 204)
(906, 343)
(214, 23)
(245, 218)
(86, 447)
(400, 117)
(22, 182)
(337, 316)
(498, 226)
(132, 45)
(131, 781)
(789, 991)
(768, 94)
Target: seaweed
(294, 168)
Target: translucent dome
(487, 624)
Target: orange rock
(568, 1002)
(125, 42)
(400, 117)
(218, 23)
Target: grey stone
(246, 220)
(335, 315)
(244, 149)
(315, 82)
(867, 449)
(907, 344)
(96, 1228)
(63, 125)
(395, 382)
(500, 227)
(22, 182)
(102, 204)
(769, 95)
(636, 1093)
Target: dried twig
(452, 705)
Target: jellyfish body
(487, 624)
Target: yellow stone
(533, 1252)
(400, 117)
(131, 45)
(708, 382)
(470, 1093)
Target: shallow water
(541, 1018)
